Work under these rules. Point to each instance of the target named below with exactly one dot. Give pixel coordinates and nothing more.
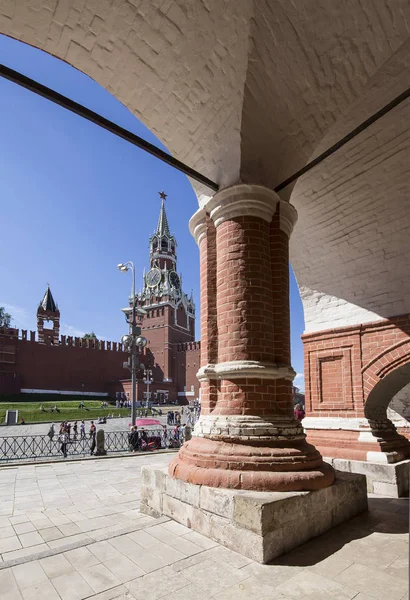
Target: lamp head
(123, 268)
(126, 340)
(141, 341)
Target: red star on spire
(163, 195)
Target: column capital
(288, 217)
(242, 369)
(197, 225)
(242, 200)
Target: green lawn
(69, 411)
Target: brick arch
(384, 364)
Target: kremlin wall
(44, 361)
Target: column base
(258, 525)
(251, 453)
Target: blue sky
(76, 201)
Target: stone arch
(392, 361)
(387, 374)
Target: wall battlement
(64, 340)
(189, 346)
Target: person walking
(63, 440)
(93, 434)
(51, 432)
(82, 430)
(75, 429)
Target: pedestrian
(93, 434)
(63, 441)
(68, 428)
(51, 432)
(75, 429)
(82, 430)
(299, 412)
(133, 439)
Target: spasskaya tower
(170, 318)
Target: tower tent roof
(163, 227)
(47, 302)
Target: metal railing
(32, 447)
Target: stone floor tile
(220, 553)
(250, 589)
(214, 576)
(81, 558)
(24, 527)
(104, 551)
(6, 532)
(196, 559)
(162, 534)
(42, 523)
(185, 546)
(69, 529)
(124, 569)
(193, 592)
(271, 574)
(157, 585)
(118, 593)
(331, 566)
(30, 539)
(28, 574)
(373, 582)
(56, 565)
(72, 587)
(10, 543)
(50, 534)
(143, 538)
(40, 591)
(19, 519)
(166, 553)
(399, 568)
(312, 585)
(99, 578)
(200, 540)
(8, 583)
(176, 528)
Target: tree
(5, 317)
(90, 336)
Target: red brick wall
(63, 367)
(343, 365)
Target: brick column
(247, 436)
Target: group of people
(51, 409)
(142, 439)
(69, 433)
(174, 417)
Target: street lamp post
(148, 379)
(134, 340)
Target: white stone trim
(288, 217)
(248, 427)
(240, 200)
(245, 369)
(348, 424)
(197, 225)
(62, 392)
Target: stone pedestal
(259, 525)
(391, 480)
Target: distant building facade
(50, 362)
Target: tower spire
(163, 227)
(47, 302)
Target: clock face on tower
(174, 279)
(153, 277)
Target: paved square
(73, 530)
